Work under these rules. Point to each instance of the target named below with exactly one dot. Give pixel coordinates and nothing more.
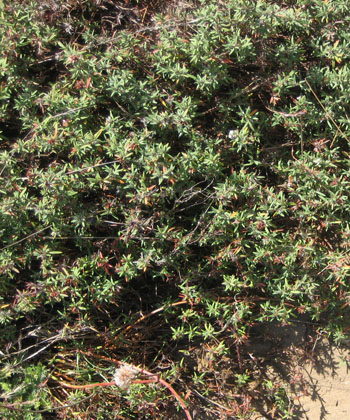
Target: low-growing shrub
(170, 177)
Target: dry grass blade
(328, 115)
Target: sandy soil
(319, 384)
(314, 371)
(328, 383)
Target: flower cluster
(124, 375)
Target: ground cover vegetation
(174, 175)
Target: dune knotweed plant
(174, 181)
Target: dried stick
(128, 327)
(328, 115)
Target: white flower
(232, 134)
(123, 376)
(68, 28)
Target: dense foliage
(190, 158)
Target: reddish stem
(89, 386)
(167, 385)
(156, 378)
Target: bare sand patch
(328, 384)
(314, 371)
